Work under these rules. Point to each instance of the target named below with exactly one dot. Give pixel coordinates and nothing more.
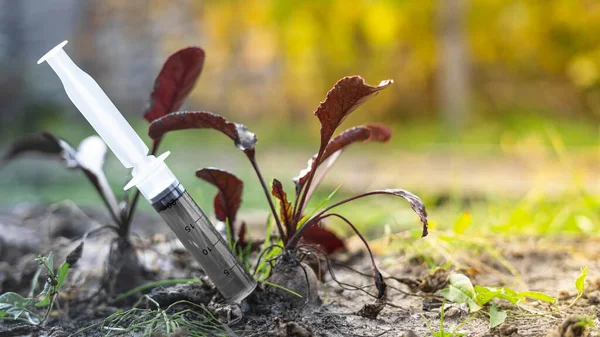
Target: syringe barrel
(199, 236)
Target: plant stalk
(306, 187)
(293, 241)
(266, 190)
(313, 187)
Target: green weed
(461, 290)
(17, 307)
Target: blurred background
(495, 103)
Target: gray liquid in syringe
(200, 238)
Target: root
(379, 282)
(123, 270)
(306, 299)
(351, 287)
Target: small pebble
(452, 312)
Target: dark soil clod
(198, 293)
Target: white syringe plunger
(150, 174)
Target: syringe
(154, 180)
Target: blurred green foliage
(534, 74)
(286, 54)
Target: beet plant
(298, 232)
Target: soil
(413, 302)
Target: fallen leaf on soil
(372, 310)
(434, 281)
(572, 327)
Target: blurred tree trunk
(453, 77)
(11, 74)
(88, 34)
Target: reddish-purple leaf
(43, 143)
(363, 133)
(242, 233)
(345, 96)
(415, 203)
(174, 82)
(285, 208)
(327, 240)
(228, 199)
(49, 144)
(243, 139)
(241, 136)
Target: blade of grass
(280, 287)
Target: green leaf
(496, 317)
(46, 294)
(63, 271)
(322, 204)
(50, 262)
(13, 304)
(34, 282)
(462, 223)
(460, 290)
(228, 233)
(536, 295)
(580, 282)
(44, 302)
(486, 294)
(10, 299)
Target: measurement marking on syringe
(191, 226)
(200, 218)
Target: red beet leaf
(285, 208)
(327, 240)
(44, 143)
(228, 199)
(174, 82)
(49, 144)
(241, 136)
(363, 133)
(345, 96)
(242, 233)
(415, 203)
